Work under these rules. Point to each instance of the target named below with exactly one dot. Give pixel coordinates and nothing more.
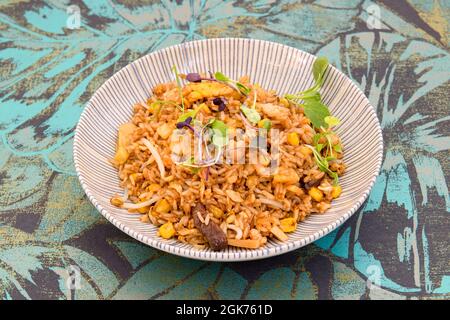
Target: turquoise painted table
(53, 243)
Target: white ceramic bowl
(273, 66)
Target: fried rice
(246, 200)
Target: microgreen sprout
(193, 77)
(196, 77)
(219, 133)
(322, 163)
(251, 114)
(186, 123)
(312, 105)
(239, 86)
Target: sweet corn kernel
(284, 102)
(167, 230)
(316, 194)
(163, 206)
(164, 130)
(288, 224)
(305, 151)
(116, 201)
(154, 187)
(336, 192)
(293, 139)
(217, 212)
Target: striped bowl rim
(316, 226)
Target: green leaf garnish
(221, 77)
(220, 133)
(177, 78)
(319, 67)
(251, 114)
(242, 88)
(316, 138)
(332, 121)
(316, 111)
(337, 148)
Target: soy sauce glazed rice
(213, 161)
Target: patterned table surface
(54, 56)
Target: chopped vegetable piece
(336, 192)
(247, 243)
(164, 130)
(154, 187)
(163, 206)
(316, 194)
(289, 176)
(288, 224)
(167, 230)
(293, 139)
(277, 232)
